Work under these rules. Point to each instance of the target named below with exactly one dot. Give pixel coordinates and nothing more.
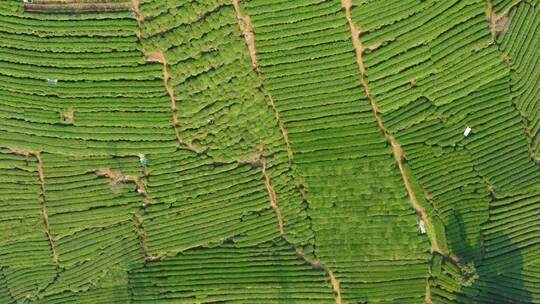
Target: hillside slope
(270, 151)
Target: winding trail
(43, 208)
(44, 214)
(246, 27)
(143, 237)
(160, 58)
(396, 148)
(118, 177)
(273, 198)
(495, 20)
(500, 23)
(315, 264)
(335, 283)
(135, 4)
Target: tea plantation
(269, 151)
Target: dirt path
(398, 154)
(273, 198)
(138, 221)
(336, 286)
(160, 58)
(315, 264)
(246, 27)
(43, 209)
(281, 125)
(44, 214)
(500, 24)
(335, 283)
(136, 4)
(119, 178)
(143, 238)
(396, 148)
(135, 7)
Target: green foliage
(175, 162)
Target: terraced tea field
(269, 151)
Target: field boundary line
(44, 214)
(118, 177)
(396, 148)
(493, 20)
(314, 264)
(160, 58)
(43, 208)
(246, 27)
